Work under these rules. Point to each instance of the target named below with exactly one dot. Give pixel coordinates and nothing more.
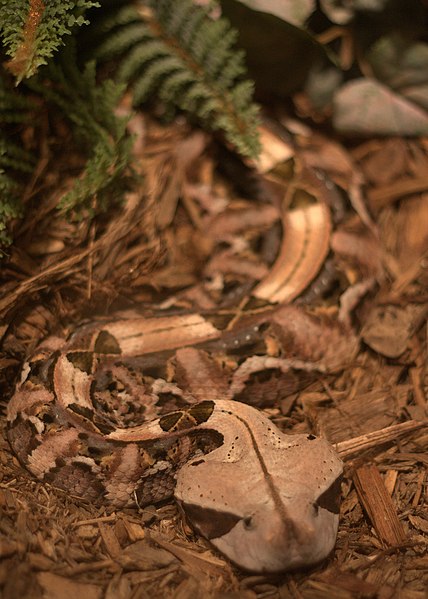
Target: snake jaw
(263, 541)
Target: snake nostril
(248, 522)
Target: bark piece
(167, 332)
(143, 556)
(354, 447)
(379, 505)
(388, 329)
(58, 587)
(110, 540)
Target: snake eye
(248, 522)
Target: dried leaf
(200, 375)
(386, 162)
(351, 297)
(361, 248)
(318, 340)
(261, 363)
(403, 66)
(368, 107)
(231, 222)
(166, 178)
(228, 263)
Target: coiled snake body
(267, 500)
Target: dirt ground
(191, 238)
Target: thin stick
(352, 447)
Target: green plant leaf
(176, 51)
(33, 30)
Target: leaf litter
(350, 363)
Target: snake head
(267, 500)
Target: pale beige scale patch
(125, 471)
(57, 443)
(28, 400)
(139, 336)
(72, 385)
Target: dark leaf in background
(278, 53)
(380, 42)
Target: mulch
(157, 247)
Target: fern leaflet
(174, 49)
(32, 30)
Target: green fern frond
(15, 161)
(122, 16)
(156, 76)
(142, 53)
(10, 206)
(101, 133)
(175, 50)
(32, 30)
(14, 157)
(208, 35)
(124, 39)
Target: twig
(352, 447)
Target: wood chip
(58, 587)
(388, 329)
(144, 556)
(119, 588)
(390, 480)
(110, 540)
(134, 531)
(379, 505)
